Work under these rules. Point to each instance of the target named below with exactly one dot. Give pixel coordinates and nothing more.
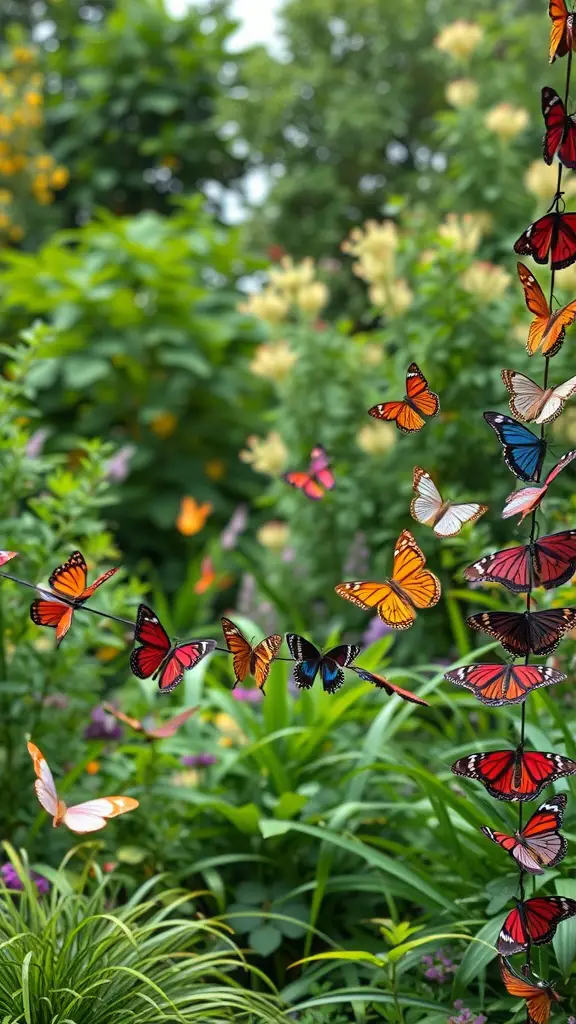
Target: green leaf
(478, 954)
(250, 892)
(564, 941)
(356, 955)
(265, 939)
(289, 805)
(131, 854)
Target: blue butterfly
(523, 451)
(309, 661)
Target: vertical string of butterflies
(519, 774)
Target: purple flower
(36, 443)
(236, 525)
(118, 467)
(250, 695)
(198, 760)
(374, 631)
(102, 726)
(12, 880)
(466, 1016)
(439, 968)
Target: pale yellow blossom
(463, 232)
(376, 438)
(266, 305)
(266, 455)
(371, 354)
(542, 180)
(506, 121)
(273, 361)
(312, 298)
(273, 535)
(230, 731)
(459, 39)
(394, 297)
(374, 246)
(485, 280)
(289, 277)
(463, 92)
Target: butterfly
(560, 137)
(539, 844)
(552, 235)
(503, 684)
(547, 328)
(534, 923)
(523, 451)
(390, 688)
(446, 518)
(539, 995)
(533, 404)
(309, 661)
(5, 556)
(411, 586)
(419, 401)
(523, 632)
(527, 499)
(248, 660)
(317, 480)
(158, 657)
(87, 817)
(562, 35)
(547, 562)
(69, 582)
(158, 732)
(514, 774)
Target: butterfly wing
(554, 405)
(538, 995)
(334, 662)
(395, 610)
(304, 482)
(150, 633)
(508, 627)
(94, 814)
(537, 240)
(307, 658)
(541, 834)
(44, 785)
(133, 723)
(564, 461)
(171, 727)
(567, 151)
(496, 685)
(262, 657)
(6, 556)
(239, 648)
(554, 114)
(419, 394)
(69, 579)
(534, 922)
(456, 516)
(526, 396)
(426, 506)
(559, 44)
(511, 567)
(514, 774)
(523, 451)
(563, 251)
(320, 467)
(98, 583)
(523, 502)
(547, 328)
(406, 419)
(419, 585)
(546, 628)
(183, 657)
(58, 616)
(384, 684)
(554, 559)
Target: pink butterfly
(5, 556)
(527, 499)
(87, 817)
(154, 732)
(317, 480)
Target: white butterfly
(533, 404)
(446, 519)
(87, 817)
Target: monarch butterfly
(411, 586)
(68, 581)
(547, 562)
(248, 660)
(419, 401)
(158, 657)
(531, 403)
(552, 235)
(446, 518)
(158, 732)
(539, 995)
(562, 33)
(560, 134)
(523, 451)
(534, 923)
(547, 328)
(522, 633)
(527, 499)
(317, 480)
(310, 661)
(86, 817)
(539, 844)
(514, 774)
(496, 685)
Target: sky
(257, 17)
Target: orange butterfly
(69, 582)
(547, 329)
(158, 732)
(419, 399)
(411, 586)
(248, 660)
(539, 995)
(562, 34)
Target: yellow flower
(394, 298)
(106, 653)
(485, 280)
(273, 535)
(273, 361)
(23, 54)
(459, 39)
(265, 455)
(462, 233)
(463, 92)
(376, 438)
(541, 179)
(33, 98)
(44, 162)
(267, 305)
(374, 246)
(6, 196)
(5, 124)
(4, 221)
(292, 276)
(93, 767)
(371, 354)
(192, 516)
(164, 424)
(60, 177)
(312, 298)
(40, 182)
(188, 779)
(231, 731)
(215, 469)
(506, 121)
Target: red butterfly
(523, 632)
(317, 480)
(547, 563)
(158, 732)
(560, 134)
(69, 582)
(553, 233)
(503, 684)
(562, 33)
(419, 401)
(539, 995)
(514, 774)
(527, 499)
(158, 657)
(390, 688)
(538, 845)
(534, 923)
